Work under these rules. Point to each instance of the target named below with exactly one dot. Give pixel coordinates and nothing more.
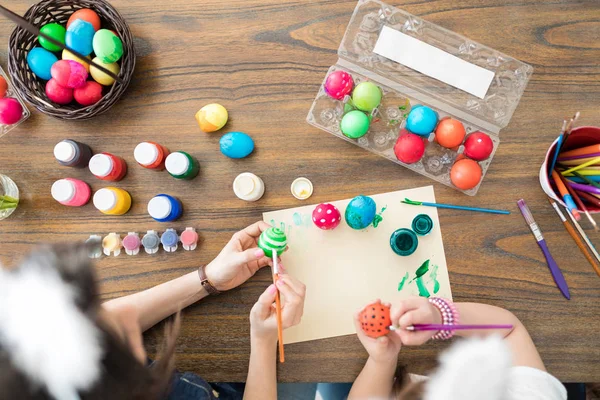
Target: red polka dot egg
(339, 84)
(375, 320)
(326, 216)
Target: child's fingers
(418, 316)
(403, 306)
(409, 338)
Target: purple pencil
(585, 188)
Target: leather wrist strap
(206, 284)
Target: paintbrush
(440, 327)
(559, 144)
(576, 238)
(451, 206)
(559, 279)
(580, 204)
(585, 237)
(34, 30)
(278, 307)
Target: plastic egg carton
(403, 87)
(11, 92)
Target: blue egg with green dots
(360, 212)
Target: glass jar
(9, 196)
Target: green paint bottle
(182, 166)
(404, 242)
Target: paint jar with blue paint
(169, 240)
(422, 224)
(404, 242)
(165, 208)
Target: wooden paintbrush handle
(279, 321)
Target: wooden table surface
(264, 61)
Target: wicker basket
(32, 88)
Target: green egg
(366, 96)
(355, 124)
(107, 46)
(56, 32)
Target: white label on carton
(433, 62)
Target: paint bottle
(165, 208)
(169, 240)
(72, 154)
(151, 242)
(422, 224)
(404, 242)
(71, 192)
(112, 201)
(189, 239)
(112, 244)
(151, 155)
(132, 243)
(182, 166)
(248, 186)
(108, 167)
(94, 244)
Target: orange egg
(87, 15)
(450, 133)
(3, 86)
(465, 174)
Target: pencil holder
(581, 136)
(32, 88)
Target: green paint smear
(402, 282)
(422, 270)
(297, 219)
(378, 218)
(307, 220)
(433, 278)
(423, 292)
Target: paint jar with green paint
(404, 242)
(422, 224)
(181, 165)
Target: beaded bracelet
(449, 316)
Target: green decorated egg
(56, 32)
(272, 240)
(107, 46)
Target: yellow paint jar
(112, 201)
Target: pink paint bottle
(71, 192)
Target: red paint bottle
(151, 155)
(108, 167)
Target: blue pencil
(557, 148)
(440, 205)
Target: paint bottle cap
(150, 240)
(63, 190)
(105, 199)
(177, 163)
(101, 165)
(65, 151)
(94, 245)
(302, 188)
(189, 237)
(131, 241)
(111, 242)
(248, 186)
(169, 238)
(146, 153)
(422, 224)
(159, 207)
(404, 242)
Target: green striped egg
(273, 239)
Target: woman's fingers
(294, 283)
(263, 307)
(293, 307)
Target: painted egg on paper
(409, 148)
(69, 73)
(338, 84)
(375, 320)
(465, 174)
(421, 120)
(450, 133)
(478, 146)
(326, 216)
(360, 212)
(80, 36)
(236, 145)
(40, 62)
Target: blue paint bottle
(165, 208)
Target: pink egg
(10, 111)
(339, 84)
(69, 73)
(326, 216)
(90, 93)
(478, 146)
(57, 93)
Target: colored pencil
(589, 198)
(583, 151)
(580, 204)
(278, 308)
(559, 144)
(575, 237)
(593, 178)
(565, 194)
(453, 207)
(585, 238)
(586, 188)
(575, 162)
(562, 158)
(581, 166)
(439, 327)
(589, 181)
(559, 279)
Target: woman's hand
(239, 260)
(383, 349)
(263, 317)
(414, 310)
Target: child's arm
(262, 378)
(420, 311)
(238, 261)
(377, 377)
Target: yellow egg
(67, 55)
(212, 117)
(100, 76)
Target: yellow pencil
(581, 166)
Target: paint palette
(456, 77)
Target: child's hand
(414, 310)
(382, 349)
(263, 317)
